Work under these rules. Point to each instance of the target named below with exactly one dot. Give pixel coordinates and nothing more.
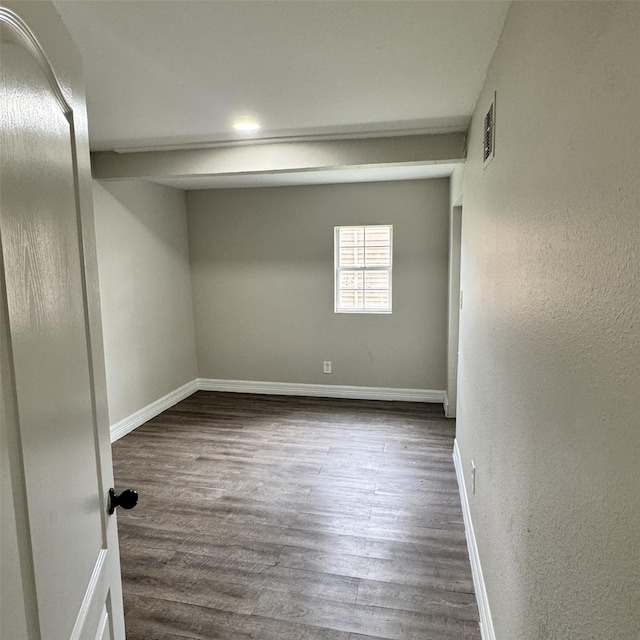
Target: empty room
(319, 320)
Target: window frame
(338, 270)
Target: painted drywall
(262, 271)
(549, 385)
(145, 289)
(455, 233)
(455, 230)
(183, 167)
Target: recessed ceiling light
(246, 125)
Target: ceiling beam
(281, 157)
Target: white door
(53, 428)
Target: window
(363, 269)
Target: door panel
(58, 448)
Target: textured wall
(145, 289)
(549, 395)
(262, 268)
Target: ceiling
(176, 73)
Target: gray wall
(549, 389)
(145, 289)
(455, 232)
(262, 272)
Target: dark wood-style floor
(281, 518)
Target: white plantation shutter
(363, 260)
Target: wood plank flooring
(283, 518)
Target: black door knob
(127, 499)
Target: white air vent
(489, 143)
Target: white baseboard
(446, 406)
(322, 390)
(133, 421)
(486, 623)
(128, 424)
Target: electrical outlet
(326, 366)
(473, 478)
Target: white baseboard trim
(445, 404)
(486, 623)
(322, 390)
(128, 424)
